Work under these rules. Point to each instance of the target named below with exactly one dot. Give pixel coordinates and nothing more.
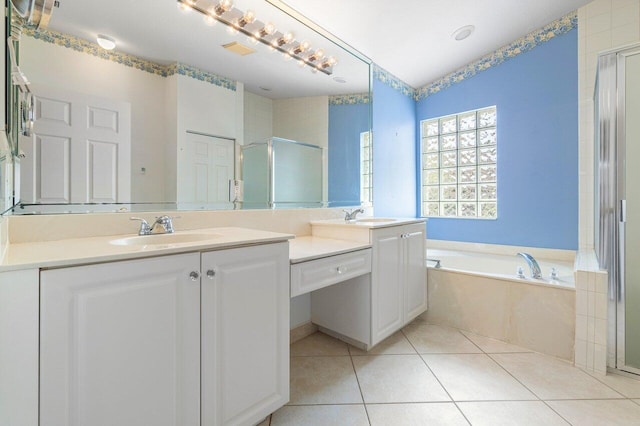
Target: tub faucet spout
(533, 265)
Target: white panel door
(387, 288)
(415, 270)
(245, 334)
(120, 344)
(80, 151)
(204, 183)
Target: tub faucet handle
(554, 274)
(520, 272)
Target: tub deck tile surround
(539, 318)
(536, 377)
(591, 313)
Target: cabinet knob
(194, 275)
(340, 269)
(211, 273)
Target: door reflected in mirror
(164, 120)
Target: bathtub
(501, 266)
(476, 288)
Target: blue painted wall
(346, 122)
(394, 154)
(536, 94)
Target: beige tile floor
(432, 375)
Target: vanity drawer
(316, 274)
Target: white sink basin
(163, 239)
(375, 220)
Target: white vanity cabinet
(245, 334)
(120, 343)
(178, 340)
(364, 313)
(398, 278)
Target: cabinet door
(245, 334)
(120, 343)
(415, 270)
(387, 290)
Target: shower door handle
(623, 211)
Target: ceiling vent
(239, 49)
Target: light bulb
(314, 70)
(247, 18)
(222, 7)
(319, 54)
(301, 63)
(300, 48)
(268, 29)
(332, 61)
(285, 39)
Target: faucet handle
(145, 229)
(166, 221)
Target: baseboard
(302, 331)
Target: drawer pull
(341, 269)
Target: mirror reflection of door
(209, 168)
(79, 150)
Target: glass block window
(366, 169)
(458, 157)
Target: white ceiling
(412, 38)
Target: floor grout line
(438, 380)
(604, 383)
(359, 388)
(530, 390)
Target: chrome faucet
(165, 222)
(533, 265)
(350, 216)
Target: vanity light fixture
(263, 32)
(106, 42)
(463, 32)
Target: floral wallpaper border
(521, 45)
(84, 46)
(354, 99)
(392, 81)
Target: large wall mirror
(188, 112)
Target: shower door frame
(611, 162)
(621, 142)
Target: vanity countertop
(303, 249)
(78, 251)
(368, 222)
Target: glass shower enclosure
(617, 199)
(281, 173)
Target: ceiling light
(463, 32)
(246, 23)
(221, 7)
(106, 42)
